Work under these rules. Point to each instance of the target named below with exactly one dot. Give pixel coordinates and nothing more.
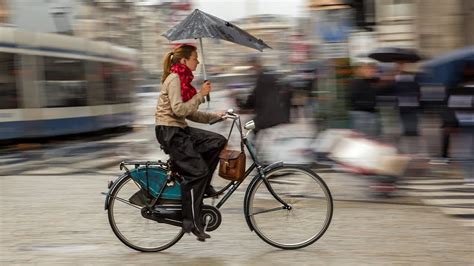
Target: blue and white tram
(54, 85)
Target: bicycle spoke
(126, 202)
(270, 210)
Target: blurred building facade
(275, 30)
(155, 19)
(396, 23)
(431, 26)
(151, 52)
(444, 25)
(135, 24)
(4, 12)
(38, 16)
(113, 21)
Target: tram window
(117, 83)
(64, 83)
(8, 90)
(95, 82)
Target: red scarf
(185, 77)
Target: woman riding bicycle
(194, 152)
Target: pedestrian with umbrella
(194, 152)
(404, 86)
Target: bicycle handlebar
(229, 114)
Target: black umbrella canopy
(394, 54)
(202, 25)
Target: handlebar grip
(208, 97)
(212, 122)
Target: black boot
(199, 233)
(210, 191)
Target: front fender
(249, 188)
(112, 187)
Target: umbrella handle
(208, 97)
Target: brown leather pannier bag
(232, 164)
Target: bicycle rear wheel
(307, 219)
(131, 227)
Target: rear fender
(111, 188)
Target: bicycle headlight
(250, 125)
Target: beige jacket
(172, 111)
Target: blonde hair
(183, 51)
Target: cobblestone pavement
(60, 220)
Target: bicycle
(287, 206)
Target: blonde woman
(194, 152)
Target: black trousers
(445, 142)
(409, 119)
(195, 155)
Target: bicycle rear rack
(137, 164)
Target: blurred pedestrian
(407, 90)
(194, 152)
(270, 109)
(362, 97)
(458, 116)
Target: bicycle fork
(261, 172)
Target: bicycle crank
(213, 217)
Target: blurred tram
(53, 84)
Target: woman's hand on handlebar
(224, 115)
(220, 116)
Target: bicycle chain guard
(214, 214)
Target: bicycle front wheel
(131, 227)
(306, 220)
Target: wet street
(52, 213)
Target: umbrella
(393, 54)
(447, 68)
(200, 25)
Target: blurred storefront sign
(334, 50)
(331, 26)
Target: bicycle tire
(285, 180)
(118, 220)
